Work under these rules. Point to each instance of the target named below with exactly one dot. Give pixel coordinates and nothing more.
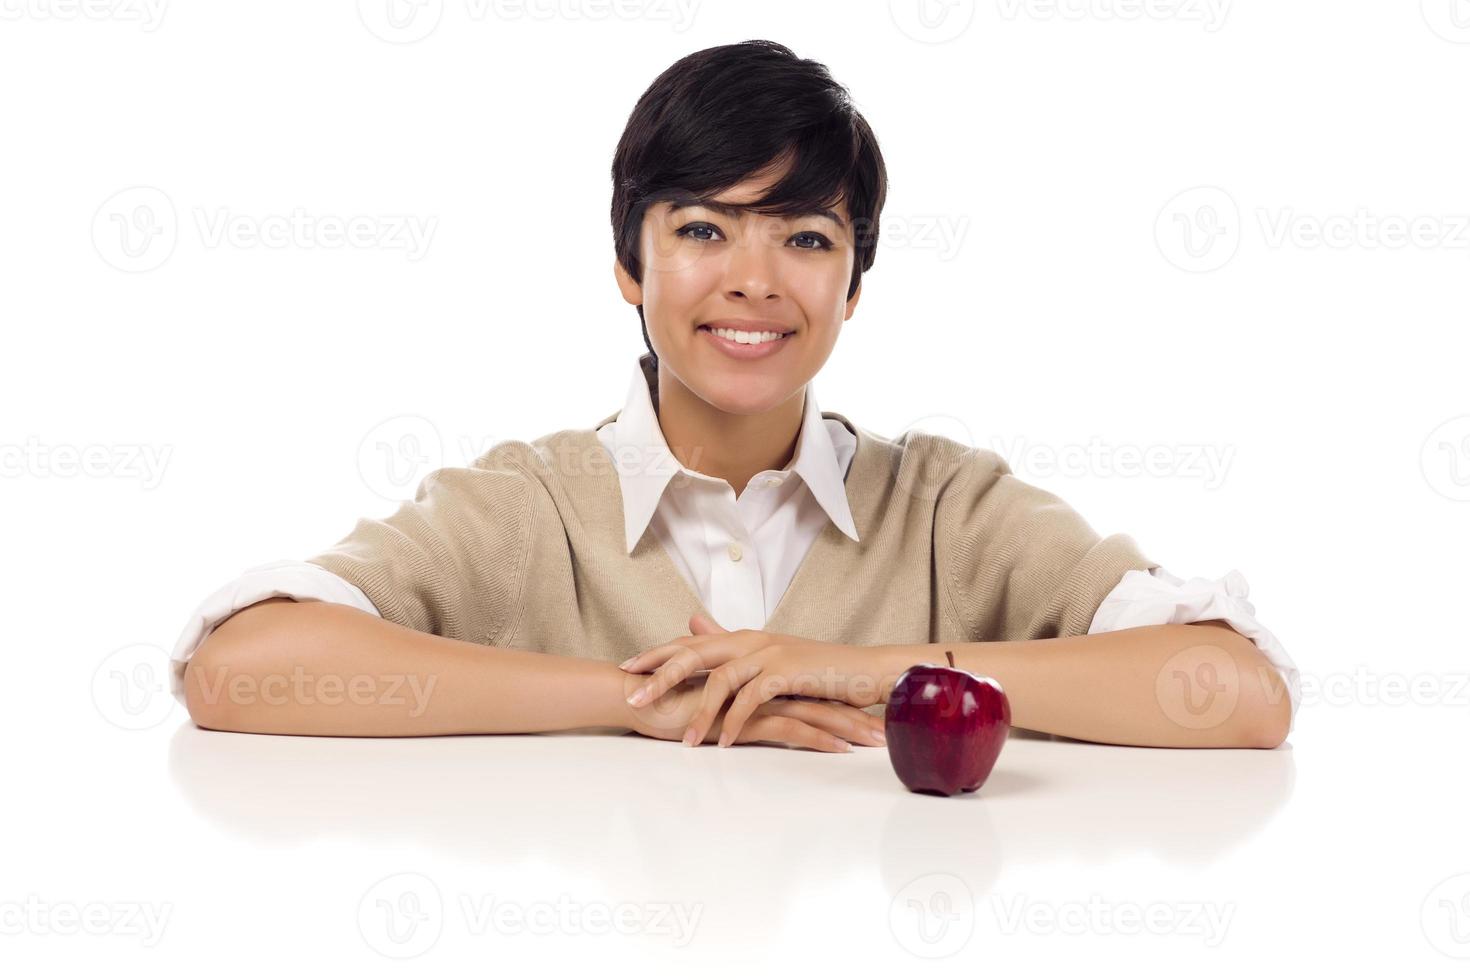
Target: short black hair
(723, 114)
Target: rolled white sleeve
(1158, 598)
(298, 580)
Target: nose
(754, 269)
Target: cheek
(676, 291)
(821, 287)
(681, 277)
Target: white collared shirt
(739, 554)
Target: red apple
(945, 728)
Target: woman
(720, 559)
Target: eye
(695, 230)
(688, 231)
(821, 243)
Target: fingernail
(844, 746)
(725, 741)
(638, 697)
(689, 736)
(882, 739)
(625, 663)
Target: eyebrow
(733, 210)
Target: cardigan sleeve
(1017, 561)
(452, 560)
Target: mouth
(783, 331)
(746, 345)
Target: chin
(743, 394)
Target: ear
(852, 303)
(632, 291)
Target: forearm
(318, 668)
(1200, 685)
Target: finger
(716, 648)
(791, 731)
(673, 672)
(875, 722)
(752, 695)
(851, 723)
(649, 659)
(852, 711)
(700, 624)
(717, 687)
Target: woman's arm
(1196, 685)
(320, 668)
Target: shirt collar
(646, 466)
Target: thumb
(700, 625)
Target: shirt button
(734, 551)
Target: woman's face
(703, 264)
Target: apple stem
(950, 655)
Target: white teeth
(743, 337)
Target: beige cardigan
(524, 548)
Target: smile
(744, 345)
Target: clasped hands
(786, 688)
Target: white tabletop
(621, 854)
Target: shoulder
(547, 479)
(544, 460)
(935, 469)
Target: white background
(1238, 229)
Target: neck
(731, 447)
